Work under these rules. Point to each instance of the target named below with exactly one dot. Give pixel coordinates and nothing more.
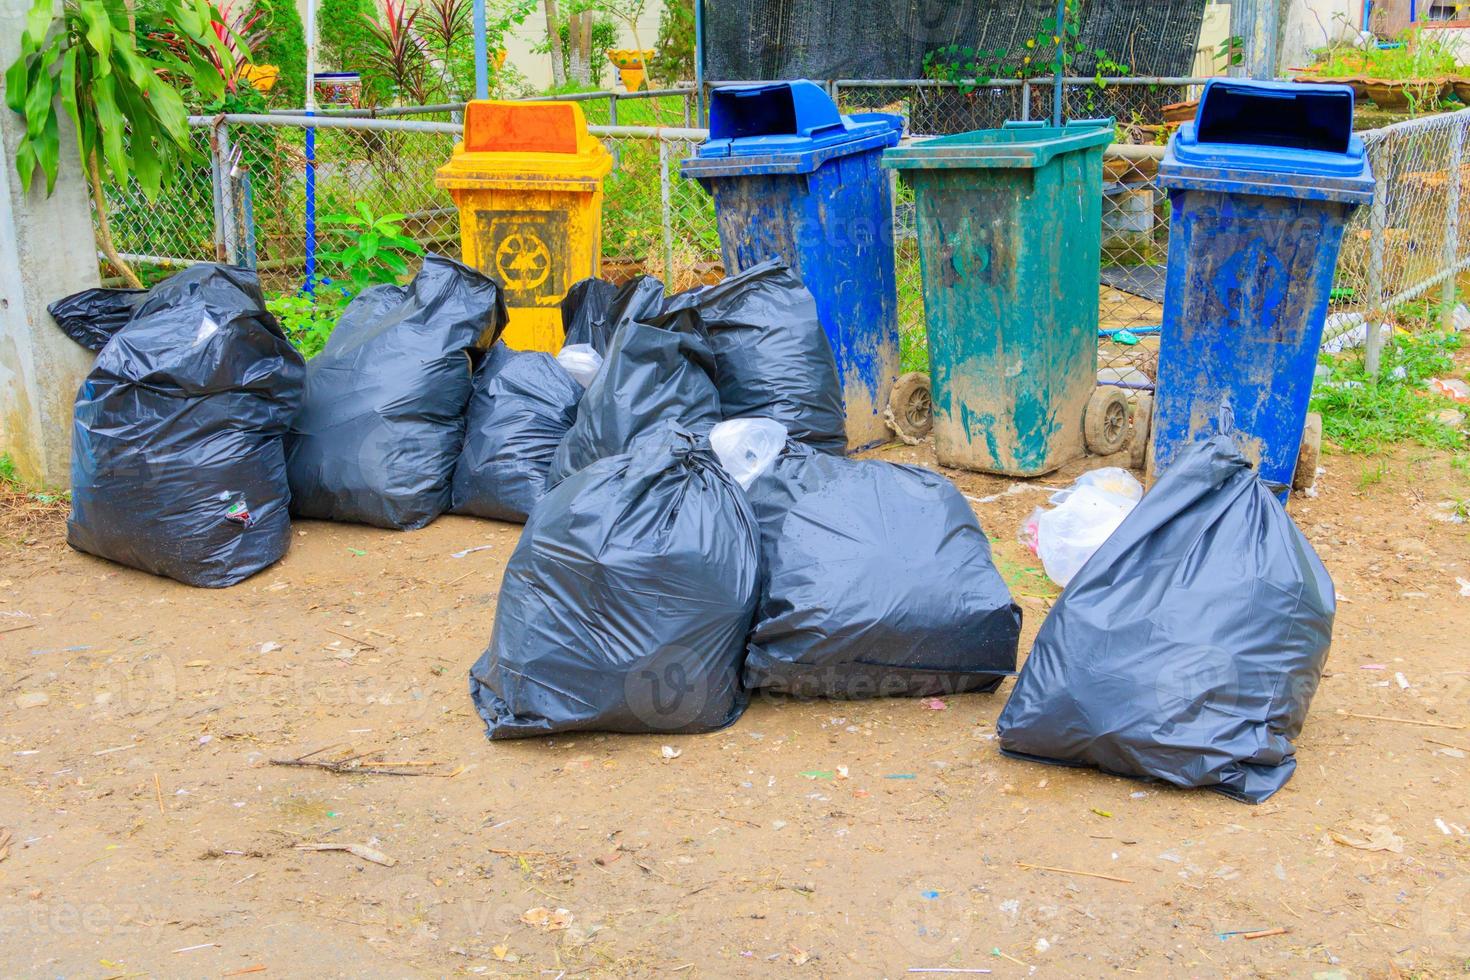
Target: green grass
(10, 480)
(1365, 415)
(1374, 476)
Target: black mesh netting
(825, 39)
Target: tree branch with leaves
(125, 103)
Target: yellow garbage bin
(527, 179)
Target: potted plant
(1410, 75)
(632, 66)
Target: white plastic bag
(1083, 516)
(747, 447)
(581, 361)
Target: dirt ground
(151, 835)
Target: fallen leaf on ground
(550, 920)
(1379, 838)
(357, 850)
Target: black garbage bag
(1189, 646)
(772, 357)
(178, 464)
(878, 583)
(522, 405)
(382, 427)
(626, 604)
(652, 374)
(92, 316)
(593, 309)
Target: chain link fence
(1402, 258)
(938, 108)
(1403, 254)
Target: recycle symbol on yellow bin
(523, 261)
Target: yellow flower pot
(631, 65)
(261, 77)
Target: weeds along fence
(247, 201)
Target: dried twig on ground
(356, 850)
(352, 765)
(1070, 871)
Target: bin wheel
(1140, 434)
(910, 411)
(1105, 426)
(1309, 455)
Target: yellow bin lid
(532, 145)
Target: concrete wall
(1213, 31)
(1311, 24)
(47, 251)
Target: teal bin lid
(1015, 146)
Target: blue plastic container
(794, 179)
(1261, 185)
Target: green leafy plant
(347, 43)
(1230, 52)
(398, 56)
(308, 319)
(674, 61)
(125, 102)
(1053, 46)
(1419, 54)
(445, 26)
(374, 250)
(283, 44)
(1362, 413)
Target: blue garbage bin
(794, 179)
(1261, 186)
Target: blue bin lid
(1275, 138)
(783, 127)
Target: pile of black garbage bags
(694, 530)
(703, 535)
(200, 429)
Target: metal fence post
(666, 198)
(216, 188)
(227, 195)
(245, 221)
(1452, 222)
(1025, 101)
(1378, 230)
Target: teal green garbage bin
(1009, 231)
